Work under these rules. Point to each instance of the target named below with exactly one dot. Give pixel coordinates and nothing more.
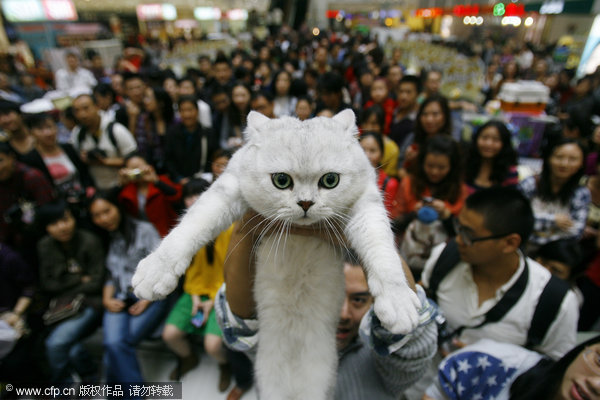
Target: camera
(135, 173)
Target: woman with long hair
(560, 204)
(492, 160)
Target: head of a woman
(57, 220)
(491, 142)
(106, 212)
(562, 169)
(439, 169)
(575, 376)
(43, 128)
(282, 83)
(240, 97)
(372, 144)
(156, 99)
(372, 119)
(433, 118)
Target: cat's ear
(346, 118)
(255, 121)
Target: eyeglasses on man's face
(467, 236)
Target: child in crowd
(380, 95)
(372, 119)
(194, 313)
(218, 163)
(304, 108)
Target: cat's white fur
(299, 285)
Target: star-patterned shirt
(482, 371)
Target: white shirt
(458, 299)
(105, 176)
(66, 80)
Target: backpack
(545, 312)
(111, 136)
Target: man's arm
(402, 359)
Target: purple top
(16, 278)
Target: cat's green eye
(281, 180)
(329, 180)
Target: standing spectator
(492, 159)
(285, 103)
(71, 264)
(106, 99)
(102, 144)
(9, 92)
(373, 119)
(263, 103)
(330, 88)
(134, 90)
(73, 76)
(156, 117)
(148, 196)
(560, 204)
(431, 84)
(235, 123)
(127, 320)
(188, 145)
(203, 279)
(187, 87)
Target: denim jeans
(122, 333)
(64, 349)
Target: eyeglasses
(467, 237)
(592, 359)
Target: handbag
(63, 307)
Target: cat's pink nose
(305, 205)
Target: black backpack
(111, 136)
(546, 309)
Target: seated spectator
(218, 163)
(433, 118)
(373, 364)
(22, 189)
(156, 117)
(437, 181)
(188, 146)
(560, 204)
(71, 264)
(372, 144)
(59, 163)
(187, 87)
(489, 369)
(29, 89)
(562, 258)
(263, 103)
(102, 144)
(127, 319)
(491, 159)
(372, 119)
(203, 279)
(17, 285)
(380, 95)
(487, 288)
(148, 196)
(73, 76)
(8, 91)
(15, 130)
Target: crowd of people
(511, 259)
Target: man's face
(85, 111)
(135, 89)
(10, 121)
(263, 106)
(220, 102)
(331, 100)
(394, 75)
(356, 304)
(222, 73)
(72, 62)
(482, 252)
(407, 96)
(433, 83)
(7, 166)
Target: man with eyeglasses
(490, 289)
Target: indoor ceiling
(118, 6)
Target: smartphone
(198, 319)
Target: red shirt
(159, 206)
(406, 200)
(389, 192)
(389, 105)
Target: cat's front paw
(154, 277)
(397, 307)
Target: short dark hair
(331, 82)
(9, 106)
(505, 210)
(195, 186)
(376, 110)
(51, 212)
(128, 76)
(187, 99)
(221, 153)
(104, 89)
(412, 79)
(566, 251)
(33, 121)
(262, 93)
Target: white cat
(293, 172)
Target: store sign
(156, 12)
(465, 10)
(207, 13)
(429, 12)
(39, 10)
(509, 10)
(552, 7)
